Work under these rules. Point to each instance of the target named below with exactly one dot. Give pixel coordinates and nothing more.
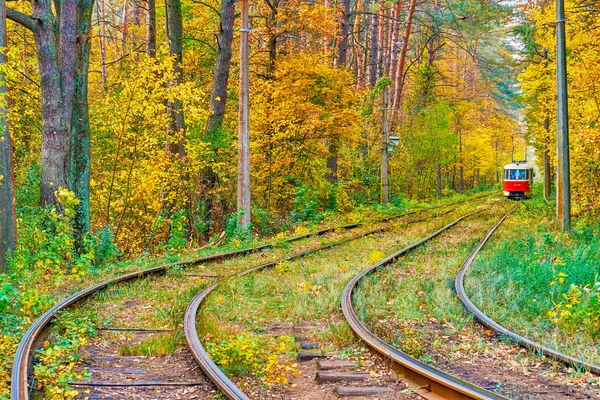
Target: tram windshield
(516, 174)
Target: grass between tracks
(542, 283)
(410, 299)
(44, 271)
(302, 292)
(530, 277)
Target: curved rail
(491, 324)
(21, 365)
(428, 382)
(214, 373)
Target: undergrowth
(541, 282)
(45, 268)
(259, 356)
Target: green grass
(517, 278)
(308, 289)
(412, 301)
(161, 345)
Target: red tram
(518, 180)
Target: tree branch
(20, 18)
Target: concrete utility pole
(243, 195)
(384, 151)
(563, 184)
(547, 177)
(8, 221)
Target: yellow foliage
(295, 117)
(539, 84)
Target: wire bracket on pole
(560, 21)
(245, 30)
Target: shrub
(245, 354)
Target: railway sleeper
(337, 376)
(328, 365)
(348, 391)
(311, 355)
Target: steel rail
(425, 380)
(213, 372)
(493, 325)
(22, 365)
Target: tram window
(517, 174)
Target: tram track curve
(23, 356)
(427, 381)
(220, 379)
(21, 364)
(496, 327)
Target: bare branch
(20, 18)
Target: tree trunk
(125, 29)
(439, 180)
(461, 168)
(218, 97)
(343, 40)
(272, 30)
(175, 136)
(243, 181)
(151, 29)
(332, 159)
(63, 48)
(394, 41)
(358, 56)
(381, 42)
(80, 127)
(221, 74)
(8, 220)
(101, 15)
(373, 50)
(399, 79)
(55, 132)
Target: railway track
(427, 381)
(496, 327)
(433, 383)
(232, 391)
(32, 338)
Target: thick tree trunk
(8, 221)
(399, 79)
(221, 74)
(63, 48)
(79, 178)
(243, 181)
(175, 136)
(55, 132)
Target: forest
(138, 118)
(121, 118)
